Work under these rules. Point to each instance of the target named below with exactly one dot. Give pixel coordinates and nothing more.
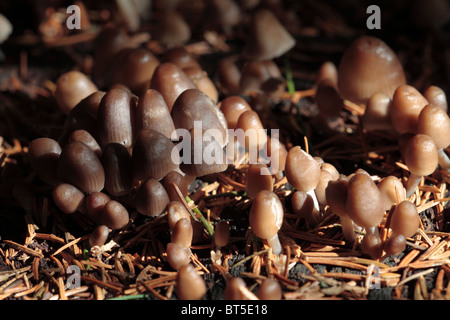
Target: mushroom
(85, 137)
(258, 178)
(172, 28)
(328, 71)
(234, 289)
(178, 255)
(221, 234)
(176, 211)
(80, 166)
(376, 115)
(421, 158)
(115, 118)
(392, 190)
(434, 122)
(44, 154)
(436, 96)
(189, 284)
(181, 57)
(68, 198)
(328, 100)
(151, 198)
(372, 244)
(277, 154)
(116, 161)
(266, 218)
(223, 15)
(203, 82)
(395, 244)
(182, 232)
(94, 204)
(262, 78)
(114, 215)
(405, 219)
(267, 38)
(6, 28)
(364, 201)
(175, 177)
(336, 194)
(251, 133)
(134, 68)
(228, 75)
(302, 205)
(369, 66)
(71, 88)
(170, 81)
(99, 236)
(153, 113)
(232, 107)
(270, 289)
(153, 155)
(303, 172)
(407, 103)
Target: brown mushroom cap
(302, 171)
(153, 155)
(114, 215)
(182, 232)
(115, 118)
(170, 81)
(189, 284)
(176, 211)
(376, 116)
(203, 82)
(262, 77)
(228, 75)
(270, 289)
(407, 103)
(85, 137)
(99, 236)
(151, 198)
(68, 198)
(192, 107)
(134, 68)
(178, 255)
(328, 99)
(266, 215)
(232, 289)
(395, 244)
(435, 123)
(277, 154)
(116, 161)
(405, 219)
(250, 128)
(172, 28)
(232, 107)
(436, 96)
(44, 154)
(152, 113)
(80, 166)
(328, 70)
(179, 180)
(181, 57)
(421, 155)
(71, 88)
(268, 38)
(258, 178)
(369, 66)
(372, 245)
(364, 201)
(94, 204)
(392, 191)
(222, 233)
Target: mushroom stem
(347, 227)
(443, 160)
(413, 182)
(315, 217)
(275, 244)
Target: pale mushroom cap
(392, 191)
(435, 123)
(436, 96)
(405, 219)
(189, 284)
(369, 66)
(258, 178)
(266, 214)
(376, 115)
(364, 201)
(302, 171)
(421, 155)
(268, 37)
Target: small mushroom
(114, 215)
(116, 161)
(266, 218)
(336, 194)
(71, 88)
(175, 177)
(421, 158)
(405, 219)
(302, 205)
(80, 166)
(258, 178)
(99, 236)
(395, 244)
(182, 232)
(221, 234)
(176, 211)
(267, 38)
(44, 154)
(68, 198)
(232, 107)
(203, 82)
(328, 99)
(369, 66)
(434, 122)
(251, 133)
(94, 204)
(228, 75)
(173, 30)
(85, 137)
(407, 103)
(277, 155)
(189, 284)
(262, 78)
(178, 255)
(372, 244)
(376, 115)
(364, 201)
(270, 289)
(151, 198)
(234, 289)
(436, 96)
(392, 190)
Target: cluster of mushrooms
(116, 152)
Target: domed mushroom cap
(80, 166)
(94, 204)
(436, 96)
(189, 284)
(170, 80)
(182, 232)
(392, 190)
(71, 88)
(115, 118)
(395, 244)
(406, 105)
(369, 66)
(222, 233)
(68, 198)
(176, 211)
(232, 107)
(195, 106)
(114, 215)
(302, 170)
(435, 123)
(178, 255)
(336, 195)
(270, 289)
(179, 180)
(421, 155)
(268, 38)
(202, 155)
(250, 131)
(376, 116)
(172, 29)
(181, 57)
(327, 98)
(85, 137)
(153, 155)
(262, 77)
(134, 68)
(44, 154)
(116, 161)
(266, 214)
(258, 178)
(203, 82)
(405, 219)
(153, 113)
(364, 201)
(228, 75)
(99, 236)
(151, 198)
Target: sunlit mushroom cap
(302, 170)
(266, 214)
(435, 123)
(369, 66)
(421, 155)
